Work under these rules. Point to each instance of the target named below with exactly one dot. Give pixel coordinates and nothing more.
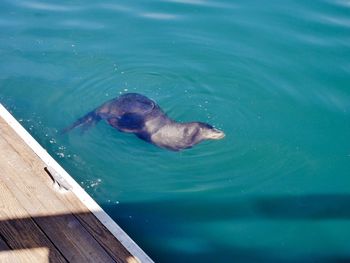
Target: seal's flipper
(84, 122)
(128, 122)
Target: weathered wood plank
(21, 232)
(114, 248)
(24, 255)
(53, 217)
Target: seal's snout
(216, 134)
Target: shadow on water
(154, 218)
(248, 255)
(279, 207)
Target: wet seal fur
(135, 113)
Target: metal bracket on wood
(58, 180)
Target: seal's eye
(207, 126)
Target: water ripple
(37, 5)
(115, 7)
(160, 16)
(81, 24)
(205, 3)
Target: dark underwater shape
(135, 113)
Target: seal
(135, 113)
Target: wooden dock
(39, 223)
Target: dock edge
(80, 193)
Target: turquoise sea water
(274, 75)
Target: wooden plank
(63, 228)
(24, 255)
(114, 248)
(21, 232)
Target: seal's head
(208, 132)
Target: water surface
(274, 75)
